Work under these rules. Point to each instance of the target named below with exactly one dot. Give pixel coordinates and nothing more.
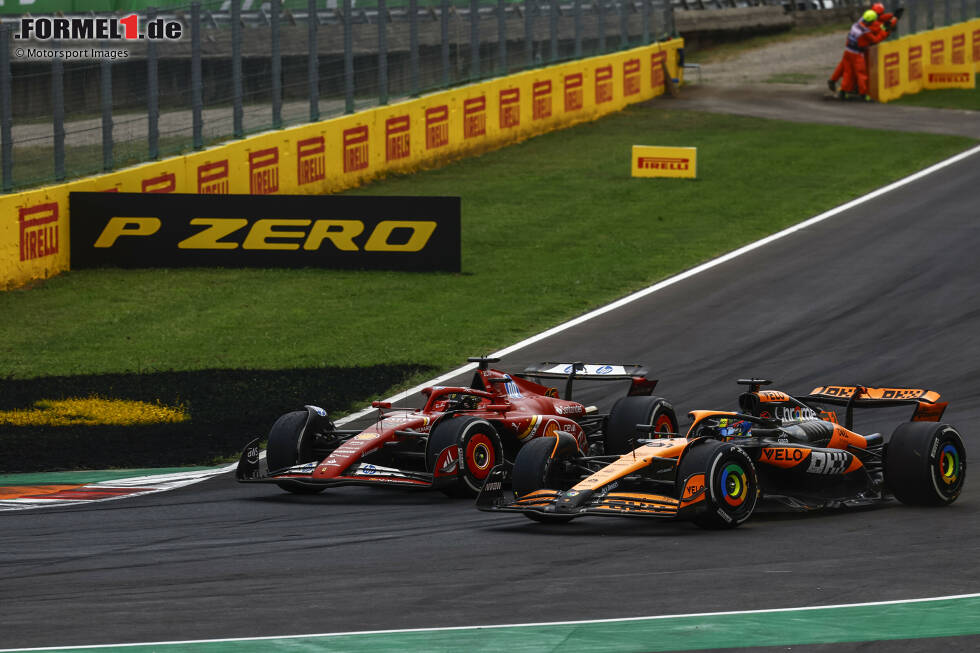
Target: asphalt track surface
(883, 293)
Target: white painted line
(687, 274)
(693, 615)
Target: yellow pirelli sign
(949, 76)
(656, 161)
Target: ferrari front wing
(250, 470)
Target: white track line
(811, 608)
(619, 303)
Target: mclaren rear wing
(928, 408)
(634, 373)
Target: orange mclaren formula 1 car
(459, 435)
(792, 452)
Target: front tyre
(627, 412)
(537, 466)
(925, 464)
(291, 443)
(731, 486)
(480, 450)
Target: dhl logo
(662, 163)
(311, 160)
(437, 127)
(39, 235)
(958, 53)
(356, 149)
(657, 61)
(915, 62)
(937, 49)
(574, 95)
(263, 171)
(541, 100)
(475, 117)
(631, 77)
(603, 84)
(279, 234)
(949, 78)
(510, 108)
(892, 69)
(165, 183)
(398, 144)
(212, 178)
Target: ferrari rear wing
(928, 408)
(635, 373)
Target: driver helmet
(734, 428)
(870, 16)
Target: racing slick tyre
(925, 464)
(731, 486)
(290, 444)
(480, 450)
(535, 468)
(630, 411)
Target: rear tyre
(480, 450)
(291, 444)
(925, 464)
(630, 411)
(731, 486)
(535, 468)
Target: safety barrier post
(601, 8)
(152, 93)
(197, 113)
(382, 52)
(237, 110)
(474, 39)
(578, 28)
(58, 112)
(105, 75)
(348, 58)
(313, 60)
(444, 40)
(645, 12)
(553, 12)
(276, 65)
(529, 33)
(413, 45)
(502, 36)
(624, 26)
(6, 112)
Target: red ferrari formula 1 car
(459, 435)
(789, 451)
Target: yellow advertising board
(901, 66)
(343, 152)
(657, 161)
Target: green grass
(552, 227)
(947, 98)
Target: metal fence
(241, 67)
